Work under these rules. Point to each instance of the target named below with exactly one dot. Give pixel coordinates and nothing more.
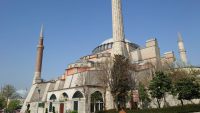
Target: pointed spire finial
(41, 32)
(180, 39)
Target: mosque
(68, 92)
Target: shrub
(46, 110)
(41, 105)
(13, 105)
(175, 109)
(74, 112)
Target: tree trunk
(131, 100)
(158, 103)
(115, 103)
(6, 104)
(122, 101)
(165, 102)
(142, 105)
(181, 102)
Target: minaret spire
(119, 47)
(181, 48)
(180, 39)
(38, 66)
(41, 31)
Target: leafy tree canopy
(143, 94)
(187, 89)
(120, 74)
(13, 105)
(159, 85)
(8, 91)
(120, 80)
(2, 102)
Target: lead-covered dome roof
(107, 44)
(110, 40)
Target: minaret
(119, 46)
(38, 66)
(182, 50)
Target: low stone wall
(170, 101)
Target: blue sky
(74, 27)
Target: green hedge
(41, 105)
(175, 109)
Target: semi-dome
(107, 44)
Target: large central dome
(110, 40)
(107, 45)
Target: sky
(73, 28)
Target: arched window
(53, 97)
(109, 45)
(77, 94)
(96, 102)
(63, 97)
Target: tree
(187, 89)
(8, 92)
(103, 72)
(194, 71)
(159, 85)
(2, 102)
(177, 74)
(119, 82)
(179, 71)
(143, 95)
(13, 105)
